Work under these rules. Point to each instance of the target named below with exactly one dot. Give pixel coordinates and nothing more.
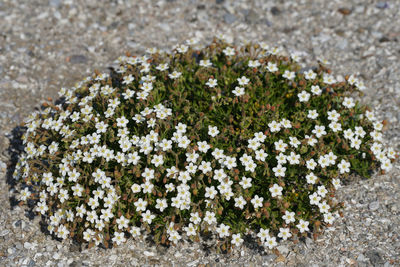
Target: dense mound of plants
(222, 139)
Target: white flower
(135, 231)
(122, 222)
(148, 217)
(276, 190)
(303, 226)
(263, 234)
(284, 233)
(303, 96)
(147, 187)
(240, 202)
(323, 207)
(175, 74)
(254, 63)
(333, 115)
(280, 145)
(205, 63)
(294, 141)
(314, 199)
(355, 143)
(183, 141)
(328, 218)
(279, 171)
(344, 166)
(229, 51)
(322, 191)
(316, 90)
(165, 144)
(335, 126)
(281, 158)
(348, 102)
(157, 160)
(270, 242)
(243, 80)
(210, 192)
(213, 131)
(329, 79)
(210, 217)
(257, 201)
(192, 157)
(212, 83)
(62, 232)
(122, 122)
(26, 193)
(312, 114)
(195, 218)
(286, 124)
(319, 131)
(289, 75)
(181, 128)
(261, 155)
(140, 205)
(311, 164)
(246, 182)
(274, 126)
(336, 183)
(352, 79)
(119, 238)
(260, 136)
(253, 144)
(162, 67)
(293, 158)
(272, 67)
(310, 75)
(239, 91)
(236, 240)
(190, 229)
(386, 165)
(360, 85)
(182, 48)
(288, 217)
(323, 161)
(230, 162)
(360, 131)
(311, 178)
(223, 230)
(161, 204)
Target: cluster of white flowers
(68, 181)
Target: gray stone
(361, 257)
(374, 257)
(252, 17)
(229, 18)
(373, 205)
(275, 11)
(31, 263)
(382, 5)
(342, 45)
(269, 257)
(4, 232)
(76, 59)
(113, 257)
(283, 249)
(55, 3)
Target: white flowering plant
(223, 139)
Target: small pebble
(374, 205)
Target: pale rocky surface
(46, 45)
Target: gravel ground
(46, 45)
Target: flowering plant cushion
(232, 140)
